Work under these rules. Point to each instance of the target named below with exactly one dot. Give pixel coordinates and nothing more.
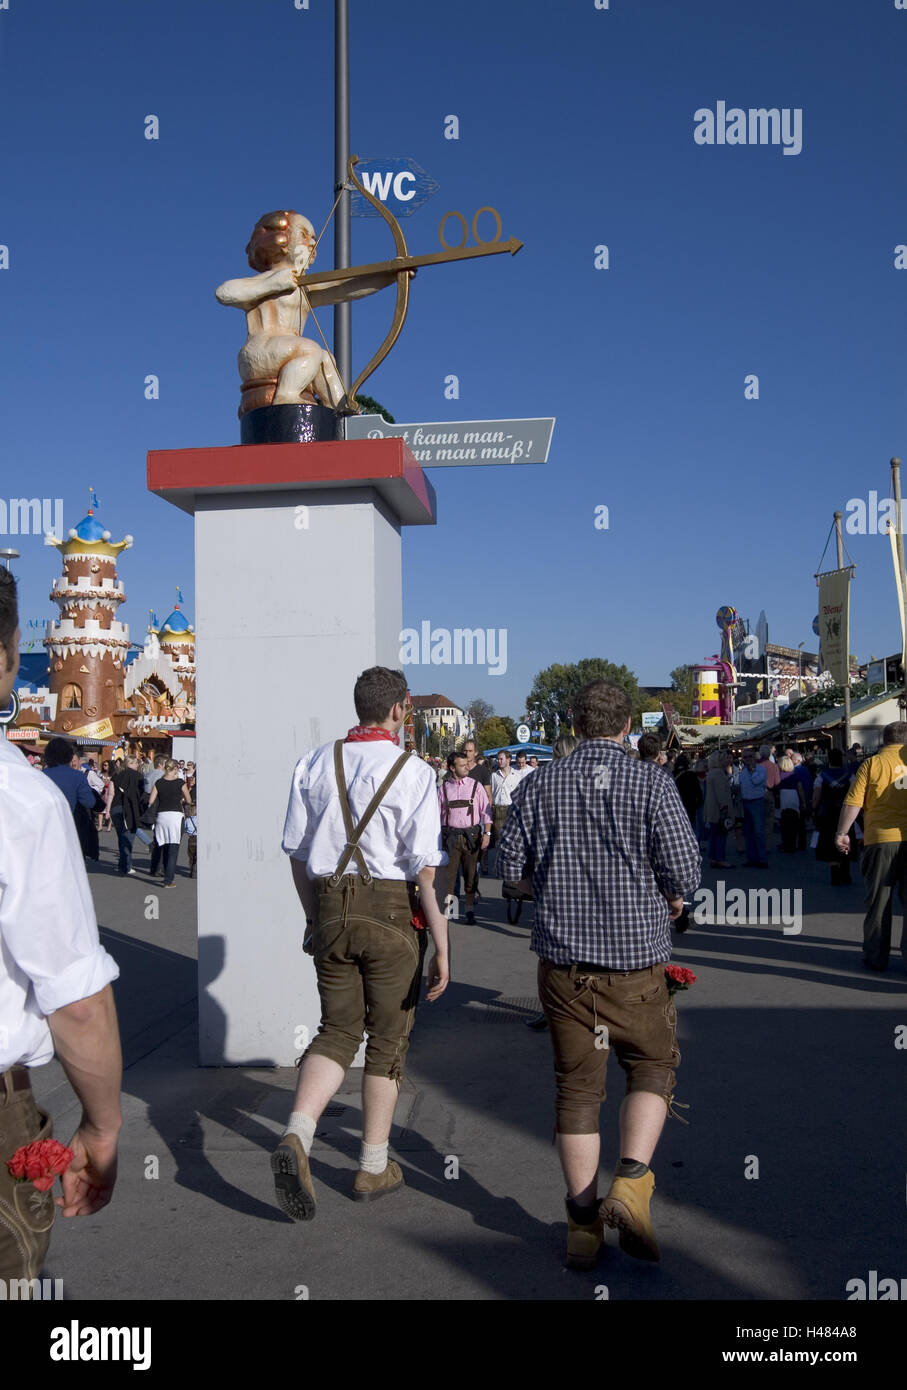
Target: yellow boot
(626, 1209)
(584, 1242)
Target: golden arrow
(459, 253)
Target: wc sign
(401, 185)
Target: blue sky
(577, 124)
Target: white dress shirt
(503, 785)
(50, 952)
(404, 834)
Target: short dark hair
(9, 611)
(893, 733)
(649, 746)
(452, 758)
(59, 753)
(376, 692)
(835, 757)
(601, 709)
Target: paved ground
(789, 1057)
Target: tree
(682, 690)
(811, 706)
(369, 406)
(480, 711)
(555, 689)
(496, 732)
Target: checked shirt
(608, 841)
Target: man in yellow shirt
(880, 790)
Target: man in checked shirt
(612, 855)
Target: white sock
(303, 1126)
(373, 1158)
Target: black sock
(631, 1168)
(583, 1216)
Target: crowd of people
(765, 797)
(123, 796)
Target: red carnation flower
(678, 977)
(39, 1163)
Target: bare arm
(845, 821)
(439, 970)
(304, 887)
(254, 289)
(87, 1042)
(341, 291)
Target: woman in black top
(169, 795)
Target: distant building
(441, 715)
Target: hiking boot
(584, 1242)
(368, 1186)
(293, 1185)
(626, 1209)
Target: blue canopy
(532, 750)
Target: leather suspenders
(455, 805)
(352, 850)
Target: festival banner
(834, 624)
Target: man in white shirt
(504, 782)
(523, 767)
(55, 994)
(93, 777)
(363, 832)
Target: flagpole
(839, 541)
(343, 354)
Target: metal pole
(839, 540)
(899, 538)
(896, 489)
(343, 352)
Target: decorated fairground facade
(101, 689)
(87, 645)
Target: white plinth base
(287, 616)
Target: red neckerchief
(361, 733)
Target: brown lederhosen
(26, 1215)
(591, 1009)
(368, 955)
